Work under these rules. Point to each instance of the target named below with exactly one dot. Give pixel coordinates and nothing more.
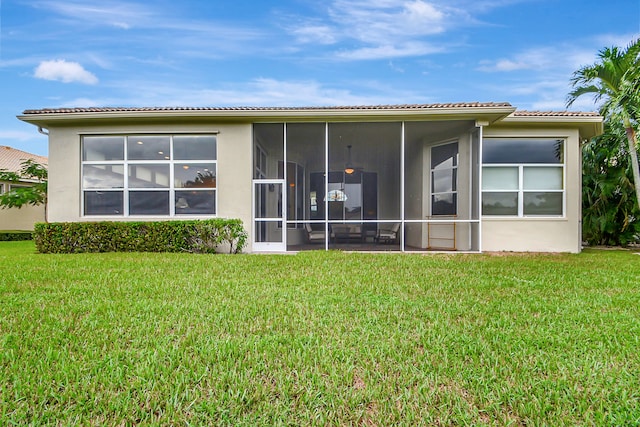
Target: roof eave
(588, 125)
(492, 114)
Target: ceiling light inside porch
(349, 169)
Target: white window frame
(521, 191)
(431, 178)
(126, 190)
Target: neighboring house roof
(11, 158)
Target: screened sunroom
(366, 186)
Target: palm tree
(615, 80)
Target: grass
(319, 339)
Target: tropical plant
(610, 214)
(613, 80)
(33, 194)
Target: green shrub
(8, 236)
(198, 236)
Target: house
(460, 176)
(23, 218)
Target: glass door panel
(268, 230)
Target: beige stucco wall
(234, 188)
(541, 234)
(234, 168)
(20, 219)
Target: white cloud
(620, 40)
(380, 28)
(395, 68)
(543, 74)
(386, 29)
(559, 58)
(556, 100)
(314, 33)
(387, 21)
(122, 25)
(531, 59)
(420, 13)
(85, 102)
(502, 65)
(128, 15)
(119, 14)
(389, 51)
(540, 92)
(18, 62)
(64, 71)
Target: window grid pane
(543, 203)
(522, 150)
(444, 204)
(148, 175)
(195, 202)
(194, 175)
(148, 202)
(542, 178)
(194, 147)
(500, 178)
(148, 148)
(444, 180)
(103, 176)
(102, 148)
(103, 203)
(500, 203)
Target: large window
(160, 175)
(523, 177)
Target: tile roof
(524, 113)
(358, 107)
(10, 158)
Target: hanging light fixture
(349, 169)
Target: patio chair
(388, 235)
(314, 236)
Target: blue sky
(79, 53)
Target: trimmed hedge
(12, 236)
(197, 236)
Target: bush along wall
(197, 236)
(6, 236)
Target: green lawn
(319, 339)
